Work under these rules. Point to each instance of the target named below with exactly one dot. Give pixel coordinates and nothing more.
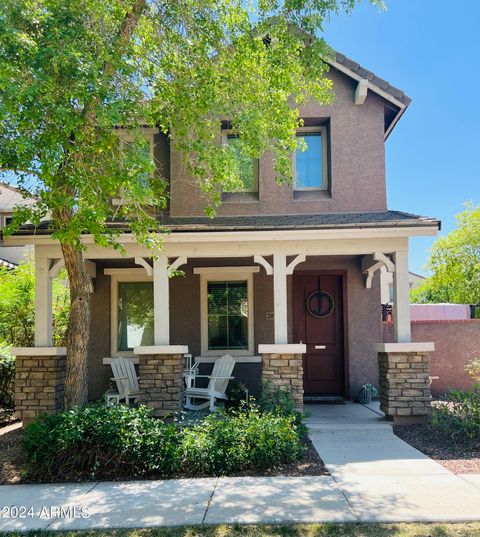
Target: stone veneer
(39, 381)
(284, 370)
(404, 379)
(161, 381)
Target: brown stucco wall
(456, 343)
(357, 164)
(364, 325)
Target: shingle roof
(271, 222)
(296, 221)
(6, 264)
(373, 78)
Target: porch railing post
(43, 302)
(280, 298)
(401, 298)
(161, 302)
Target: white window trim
(256, 167)
(323, 132)
(230, 274)
(131, 276)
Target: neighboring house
(9, 198)
(285, 278)
(386, 284)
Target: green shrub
(100, 441)
(459, 416)
(277, 399)
(226, 443)
(7, 378)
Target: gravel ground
(457, 458)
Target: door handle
(320, 347)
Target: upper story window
(310, 167)
(247, 166)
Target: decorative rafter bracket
(291, 266)
(58, 264)
(145, 264)
(265, 264)
(373, 262)
(177, 263)
(361, 91)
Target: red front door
(318, 322)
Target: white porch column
(161, 302)
(401, 298)
(280, 298)
(43, 303)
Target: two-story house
(285, 278)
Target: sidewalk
(383, 478)
(376, 477)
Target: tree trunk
(78, 333)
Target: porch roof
(386, 219)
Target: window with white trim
(132, 315)
(226, 311)
(310, 167)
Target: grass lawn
(301, 530)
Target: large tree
(72, 72)
(455, 264)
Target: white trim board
(236, 270)
(39, 351)
(238, 359)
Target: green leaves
(72, 72)
(106, 441)
(455, 264)
(17, 316)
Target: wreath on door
(320, 304)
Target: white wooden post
(43, 303)
(401, 298)
(161, 303)
(280, 298)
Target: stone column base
(161, 378)
(39, 381)
(282, 365)
(404, 378)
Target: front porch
(299, 308)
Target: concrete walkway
(375, 477)
(383, 478)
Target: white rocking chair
(217, 385)
(126, 379)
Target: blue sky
(431, 50)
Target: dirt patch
(12, 463)
(458, 458)
(6, 417)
